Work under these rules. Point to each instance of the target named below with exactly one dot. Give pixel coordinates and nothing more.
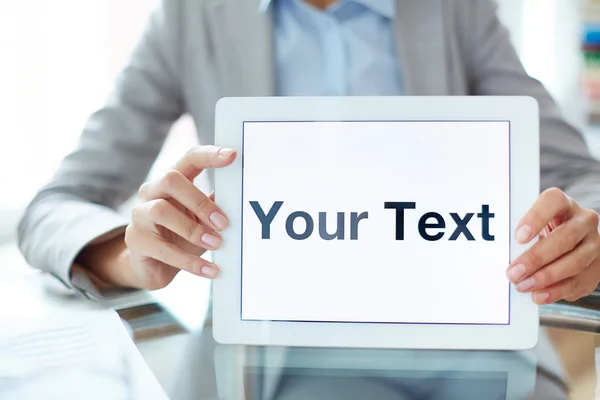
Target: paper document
(72, 355)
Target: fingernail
(210, 271)
(516, 272)
(211, 240)
(225, 152)
(523, 233)
(219, 220)
(541, 298)
(526, 285)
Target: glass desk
(207, 370)
(182, 354)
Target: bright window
(59, 62)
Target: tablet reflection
(340, 384)
(347, 374)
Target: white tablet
(375, 222)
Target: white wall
(546, 34)
(59, 61)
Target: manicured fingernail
(526, 285)
(516, 272)
(523, 233)
(211, 240)
(219, 220)
(210, 271)
(541, 298)
(225, 152)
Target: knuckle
(158, 209)
(582, 291)
(211, 156)
(536, 217)
(158, 278)
(534, 259)
(572, 297)
(189, 265)
(157, 283)
(174, 256)
(201, 157)
(588, 289)
(554, 296)
(170, 179)
(189, 156)
(209, 150)
(556, 195)
(136, 213)
(166, 250)
(545, 278)
(574, 286)
(130, 236)
(580, 265)
(192, 150)
(203, 205)
(595, 245)
(571, 236)
(592, 253)
(591, 217)
(194, 232)
(144, 190)
(587, 255)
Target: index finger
(201, 157)
(552, 203)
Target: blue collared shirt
(347, 50)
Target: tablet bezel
(231, 113)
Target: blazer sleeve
(117, 147)
(493, 68)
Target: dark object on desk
(568, 316)
(151, 321)
(581, 315)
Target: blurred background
(59, 61)
(60, 57)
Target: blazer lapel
(421, 46)
(243, 47)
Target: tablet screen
(376, 222)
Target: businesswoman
(194, 52)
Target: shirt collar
(386, 8)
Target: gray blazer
(194, 52)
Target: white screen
(442, 166)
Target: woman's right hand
(170, 229)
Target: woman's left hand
(565, 262)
